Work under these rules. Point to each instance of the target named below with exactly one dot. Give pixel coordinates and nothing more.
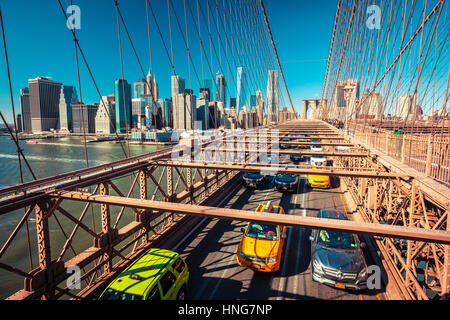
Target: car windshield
(262, 231)
(256, 175)
(340, 240)
(317, 146)
(283, 175)
(112, 294)
(318, 158)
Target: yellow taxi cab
(261, 246)
(303, 146)
(319, 181)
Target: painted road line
(283, 269)
(298, 254)
(286, 255)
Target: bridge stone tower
(315, 105)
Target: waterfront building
(44, 103)
(68, 97)
(122, 92)
(106, 110)
(137, 109)
(19, 122)
(83, 117)
(25, 110)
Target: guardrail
(427, 153)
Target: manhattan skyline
(98, 37)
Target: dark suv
(336, 257)
(286, 182)
(285, 145)
(254, 180)
(297, 157)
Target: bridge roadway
(210, 251)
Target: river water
(48, 158)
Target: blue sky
(39, 44)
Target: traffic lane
(211, 253)
(337, 203)
(296, 279)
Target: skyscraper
(232, 102)
(137, 109)
(372, 108)
(177, 85)
(208, 84)
(102, 123)
(83, 117)
(241, 99)
(184, 111)
(259, 108)
(152, 87)
(25, 109)
(406, 106)
(272, 93)
(44, 103)
(122, 92)
(221, 86)
(191, 110)
(19, 123)
(252, 100)
(68, 97)
(139, 88)
(202, 108)
(345, 98)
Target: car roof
(333, 214)
(149, 267)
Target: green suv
(158, 274)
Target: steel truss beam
(282, 169)
(431, 236)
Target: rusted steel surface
(169, 192)
(431, 236)
(288, 169)
(289, 152)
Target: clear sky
(40, 44)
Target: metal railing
(426, 153)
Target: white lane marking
(286, 254)
(298, 253)
(299, 246)
(205, 283)
(304, 198)
(233, 259)
(283, 269)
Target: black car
(286, 182)
(297, 157)
(254, 180)
(283, 145)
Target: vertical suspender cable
(276, 54)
